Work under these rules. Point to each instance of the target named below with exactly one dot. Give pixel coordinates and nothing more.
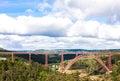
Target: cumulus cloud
(52, 32)
(84, 28)
(43, 6)
(95, 29)
(16, 42)
(46, 25)
(10, 25)
(109, 31)
(82, 9)
(67, 25)
(29, 11)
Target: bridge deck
(90, 53)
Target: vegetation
(21, 70)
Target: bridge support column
(76, 54)
(12, 57)
(109, 62)
(29, 57)
(46, 60)
(62, 63)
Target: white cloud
(81, 34)
(81, 9)
(109, 31)
(10, 25)
(95, 29)
(45, 42)
(29, 11)
(43, 6)
(84, 28)
(47, 25)
(58, 29)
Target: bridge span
(79, 55)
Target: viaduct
(79, 55)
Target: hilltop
(59, 50)
(3, 50)
(73, 50)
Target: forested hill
(53, 58)
(63, 50)
(58, 50)
(73, 50)
(3, 50)
(21, 70)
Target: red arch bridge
(93, 55)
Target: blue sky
(18, 7)
(59, 24)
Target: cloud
(43, 6)
(10, 25)
(94, 29)
(84, 28)
(16, 42)
(109, 31)
(46, 25)
(82, 9)
(57, 26)
(29, 11)
(64, 24)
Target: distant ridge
(73, 50)
(4, 50)
(65, 50)
(57, 50)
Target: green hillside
(21, 70)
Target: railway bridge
(79, 55)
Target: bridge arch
(92, 57)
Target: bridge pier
(62, 62)
(29, 57)
(76, 54)
(109, 62)
(46, 60)
(12, 57)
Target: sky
(59, 24)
